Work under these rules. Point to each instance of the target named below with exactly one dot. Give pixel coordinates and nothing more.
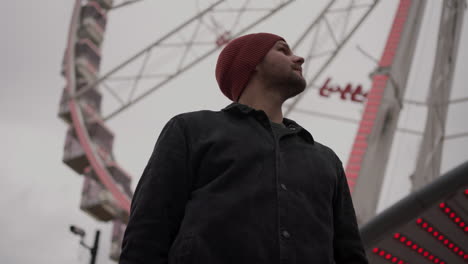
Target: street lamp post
(93, 250)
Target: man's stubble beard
(288, 86)
(292, 85)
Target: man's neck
(273, 111)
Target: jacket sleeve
(347, 243)
(158, 204)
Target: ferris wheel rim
(96, 163)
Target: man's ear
(257, 68)
(254, 72)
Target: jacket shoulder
(328, 152)
(200, 120)
(203, 116)
(196, 114)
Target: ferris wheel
(92, 97)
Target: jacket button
(283, 187)
(286, 234)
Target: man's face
(281, 68)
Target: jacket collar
(245, 109)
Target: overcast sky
(40, 195)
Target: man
(244, 185)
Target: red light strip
(388, 256)
(442, 239)
(375, 95)
(456, 219)
(418, 249)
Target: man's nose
(298, 59)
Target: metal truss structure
(373, 141)
(430, 153)
(190, 42)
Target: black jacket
(218, 189)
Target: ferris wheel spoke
(459, 100)
(309, 57)
(113, 93)
(455, 136)
(348, 10)
(239, 14)
(189, 45)
(330, 31)
(208, 26)
(140, 72)
(124, 3)
(143, 76)
(351, 6)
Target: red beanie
(238, 60)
